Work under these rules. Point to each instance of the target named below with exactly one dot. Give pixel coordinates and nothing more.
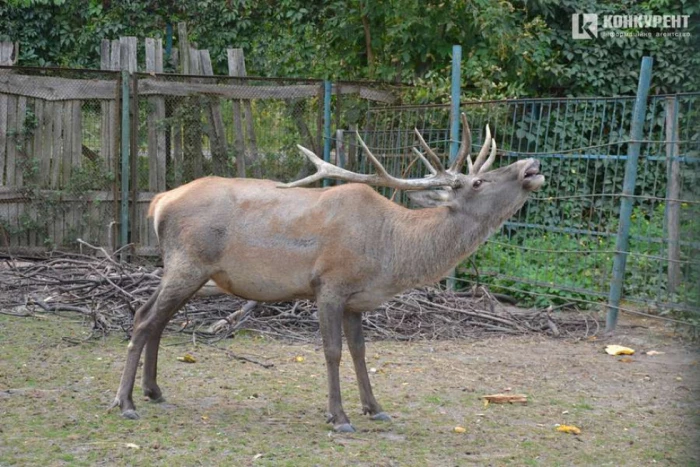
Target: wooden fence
(60, 133)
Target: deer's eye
(477, 183)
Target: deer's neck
(430, 242)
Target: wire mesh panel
(559, 247)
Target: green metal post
(327, 88)
(454, 123)
(628, 184)
(454, 95)
(125, 144)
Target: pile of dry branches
(106, 293)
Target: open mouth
(532, 178)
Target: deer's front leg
(352, 322)
(330, 319)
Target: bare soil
(56, 383)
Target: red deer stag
(345, 246)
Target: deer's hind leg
(177, 286)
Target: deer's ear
(432, 198)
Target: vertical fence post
(125, 173)
(673, 193)
(454, 97)
(327, 88)
(627, 201)
(454, 123)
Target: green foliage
(551, 268)
(543, 269)
(511, 48)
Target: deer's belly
(264, 288)
(367, 300)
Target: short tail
(154, 212)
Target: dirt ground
(55, 387)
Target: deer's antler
(478, 166)
(439, 177)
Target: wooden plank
(151, 87)
(115, 56)
(150, 44)
(38, 135)
(371, 94)
(104, 54)
(57, 144)
(77, 134)
(3, 137)
(156, 116)
(21, 156)
(192, 132)
(56, 89)
(673, 192)
(46, 144)
(217, 133)
(56, 228)
(132, 44)
(32, 240)
(238, 136)
(8, 194)
(66, 154)
(178, 154)
(13, 213)
(161, 147)
(237, 68)
(184, 47)
(128, 49)
(11, 151)
(105, 112)
(148, 239)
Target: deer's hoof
(344, 428)
(381, 417)
(156, 400)
(130, 414)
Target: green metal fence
(560, 247)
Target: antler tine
(476, 167)
(491, 158)
(425, 161)
(377, 165)
(464, 149)
(433, 157)
(323, 170)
